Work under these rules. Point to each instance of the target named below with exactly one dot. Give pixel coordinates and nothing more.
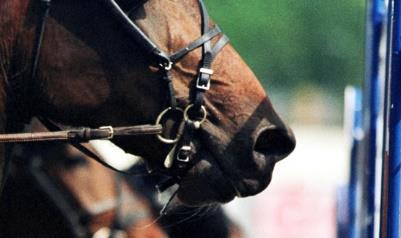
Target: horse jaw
(233, 158)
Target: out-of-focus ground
(300, 201)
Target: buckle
(206, 71)
(201, 85)
(109, 128)
(166, 66)
(184, 153)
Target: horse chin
(209, 182)
(205, 184)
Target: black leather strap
(168, 81)
(40, 31)
(195, 44)
(130, 5)
(223, 41)
(136, 33)
(209, 54)
(53, 127)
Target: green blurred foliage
(291, 44)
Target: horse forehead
(173, 23)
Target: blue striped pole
(372, 93)
(353, 123)
(390, 226)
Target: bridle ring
(197, 123)
(158, 122)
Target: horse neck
(59, 97)
(16, 30)
(11, 20)
(21, 94)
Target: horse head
(91, 73)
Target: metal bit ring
(197, 123)
(158, 122)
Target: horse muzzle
(271, 145)
(272, 142)
(251, 173)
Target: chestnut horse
(73, 196)
(91, 73)
(70, 196)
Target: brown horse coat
(91, 73)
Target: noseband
(180, 158)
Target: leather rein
(180, 158)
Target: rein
(180, 159)
(82, 134)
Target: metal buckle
(110, 128)
(167, 66)
(187, 150)
(204, 71)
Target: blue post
(353, 123)
(372, 93)
(342, 211)
(390, 226)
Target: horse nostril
(276, 142)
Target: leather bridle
(180, 158)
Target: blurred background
(304, 52)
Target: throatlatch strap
(40, 31)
